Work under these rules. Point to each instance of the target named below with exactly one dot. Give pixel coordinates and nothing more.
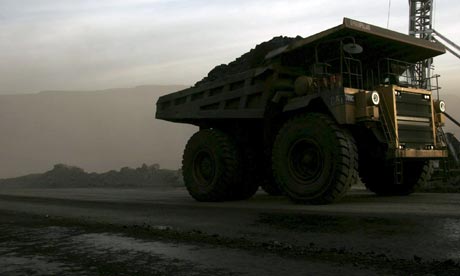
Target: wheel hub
(305, 160)
(204, 167)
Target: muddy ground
(31, 245)
(152, 232)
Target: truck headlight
(440, 106)
(375, 98)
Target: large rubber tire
(381, 180)
(210, 165)
(314, 160)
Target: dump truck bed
(236, 96)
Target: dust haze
(95, 130)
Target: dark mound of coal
(252, 59)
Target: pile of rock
(70, 176)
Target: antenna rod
(389, 10)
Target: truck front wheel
(382, 181)
(210, 165)
(314, 160)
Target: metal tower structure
(421, 26)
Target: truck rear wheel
(314, 160)
(210, 165)
(383, 182)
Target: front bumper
(415, 153)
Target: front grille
(414, 120)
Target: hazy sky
(87, 44)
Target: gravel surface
(152, 232)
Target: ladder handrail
(386, 125)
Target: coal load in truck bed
(252, 59)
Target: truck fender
(299, 102)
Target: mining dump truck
(313, 117)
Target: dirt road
(165, 232)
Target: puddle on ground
(208, 257)
(224, 260)
(113, 242)
(450, 229)
(11, 264)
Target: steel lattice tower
(420, 26)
